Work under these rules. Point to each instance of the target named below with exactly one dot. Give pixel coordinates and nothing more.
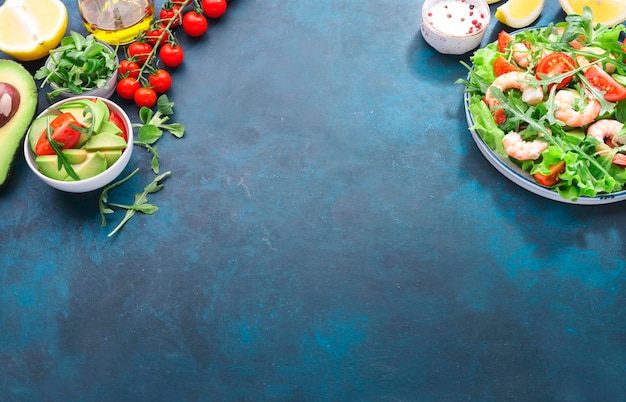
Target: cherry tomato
(504, 40)
(63, 131)
(503, 66)
(552, 178)
(145, 97)
(171, 55)
(119, 122)
(194, 24)
(614, 91)
(139, 51)
(171, 12)
(556, 64)
(161, 81)
(126, 87)
(214, 8)
(499, 116)
(157, 35)
(128, 68)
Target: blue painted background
(329, 232)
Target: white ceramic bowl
(105, 92)
(454, 26)
(93, 183)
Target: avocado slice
(109, 128)
(105, 141)
(78, 108)
(95, 164)
(74, 156)
(18, 103)
(111, 156)
(49, 166)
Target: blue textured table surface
(329, 231)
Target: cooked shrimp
(515, 80)
(521, 54)
(570, 114)
(585, 61)
(605, 130)
(518, 148)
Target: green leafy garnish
(140, 203)
(79, 64)
(152, 126)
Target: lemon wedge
(29, 29)
(519, 13)
(606, 12)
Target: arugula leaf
(153, 124)
(140, 203)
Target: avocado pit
(9, 102)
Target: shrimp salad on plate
(553, 101)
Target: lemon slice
(606, 12)
(492, 1)
(519, 13)
(29, 29)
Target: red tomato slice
(504, 39)
(503, 66)
(556, 64)
(62, 132)
(552, 178)
(614, 91)
(117, 120)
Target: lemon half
(519, 13)
(29, 29)
(606, 12)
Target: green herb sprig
(154, 124)
(140, 203)
(151, 129)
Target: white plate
(514, 173)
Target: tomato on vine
(171, 54)
(157, 35)
(128, 68)
(195, 24)
(160, 81)
(145, 97)
(214, 8)
(126, 87)
(171, 12)
(139, 51)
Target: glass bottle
(116, 21)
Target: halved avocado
(18, 103)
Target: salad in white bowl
(551, 102)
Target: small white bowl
(454, 26)
(93, 183)
(105, 92)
